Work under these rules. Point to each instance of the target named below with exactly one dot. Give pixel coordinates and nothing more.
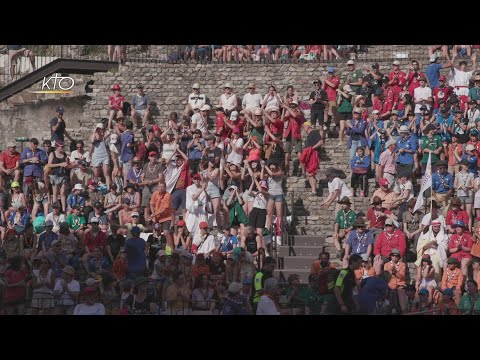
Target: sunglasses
(395, 255)
(388, 225)
(227, 88)
(135, 216)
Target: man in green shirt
(431, 143)
(344, 221)
(76, 221)
(353, 77)
(474, 92)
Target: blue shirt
(30, 169)
(228, 242)
(137, 259)
(359, 244)
(47, 239)
(73, 200)
(442, 183)
(410, 143)
(433, 73)
(127, 152)
(472, 164)
(195, 153)
(360, 163)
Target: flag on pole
(426, 183)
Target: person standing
(345, 285)
(57, 126)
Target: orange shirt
(162, 205)
(449, 308)
(398, 278)
(452, 278)
(361, 272)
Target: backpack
(39, 224)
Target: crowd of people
(180, 217)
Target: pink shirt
(387, 160)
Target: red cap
(116, 87)
(181, 223)
(91, 182)
(254, 155)
(236, 130)
(383, 182)
(203, 225)
(197, 177)
(152, 153)
(156, 128)
(442, 78)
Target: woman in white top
(43, 283)
(290, 96)
(271, 99)
(258, 216)
(195, 204)
(464, 183)
(337, 189)
(268, 304)
(275, 190)
(89, 307)
(100, 155)
(169, 140)
(228, 100)
(235, 148)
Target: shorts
(344, 116)
(165, 225)
(292, 145)
(466, 199)
(425, 284)
(43, 301)
(140, 112)
(58, 179)
(179, 199)
(257, 218)
(213, 191)
(147, 195)
(476, 203)
(317, 115)
(277, 198)
(100, 161)
(125, 165)
(332, 108)
(41, 201)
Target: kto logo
(56, 84)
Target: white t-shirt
(266, 306)
(236, 157)
(65, 298)
(272, 101)
(422, 93)
(200, 121)
(460, 78)
(56, 221)
(227, 102)
(75, 156)
(84, 309)
(336, 184)
(252, 101)
(259, 201)
(196, 100)
(402, 188)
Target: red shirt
(9, 162)
(413, 81)
(452, 217)
(16, 293)
(397, 85)
(141, 150)
(116, 102)
(441, 93)
(465, 240)
(276, 127)
(385, 243)
(377, 222)
(220, 123)
(294, 126)
(377, 105)
(331, 91)
(100, 241)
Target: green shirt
(465, 305)
(352, 77)
(345, 105)
(345, 220)
(433, 144)
(75, 221)
(474, 93)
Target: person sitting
(460, 246)
(344, 223)
(453, 278)
(397, 269)
(391, 238)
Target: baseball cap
(383, 182)
(196, 86)
(60, 110)
(396, 62)
(203, 225)
(350, 62)
(234, 115)
(375, 66)
(442, 78)
(433, 57)
(136, 230)
(331, 69)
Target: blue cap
(474, 132)
(459, 223)
(448, 292)
(136, 230)
(60, 109)
(423, 292)
(331, 69)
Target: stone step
(307, 240)
(298, 262)
(300, 250)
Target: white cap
(390, 142)
(234, 115)
(396, 62)
(94, 220)
(404, 128)
(134, 213)
(78, 187)
(350, 62)
(99, 126)
(375, 112)
(433, 57)
(91, 282)
(205, 108)
(227, 85)
(195, 86)
(469, 147)
(113, 138)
